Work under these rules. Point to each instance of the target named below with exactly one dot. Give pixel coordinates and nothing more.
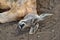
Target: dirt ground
(50, 27)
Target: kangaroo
(19, 9)
(32, 21)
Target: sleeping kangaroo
(32, 21)
(21, 8)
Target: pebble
(53, 30)
(38, 36)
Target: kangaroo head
(31, 20)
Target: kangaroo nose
(21, 25)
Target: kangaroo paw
(34, 29)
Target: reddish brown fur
(17, 10)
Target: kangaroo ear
(43, 16)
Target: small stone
(38, 36)
(50, 8)
(31, 39)
(52, 30)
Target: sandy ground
(50, 27)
